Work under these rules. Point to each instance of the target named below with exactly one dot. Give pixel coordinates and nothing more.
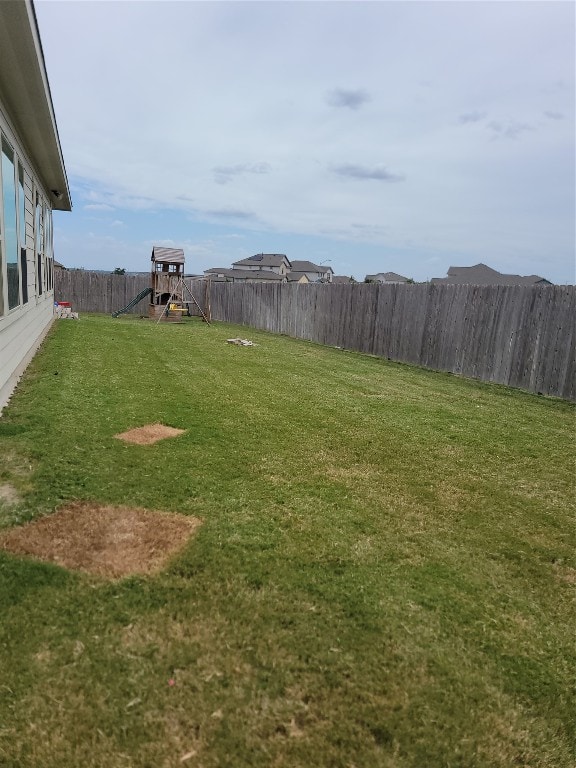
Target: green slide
(133, 303)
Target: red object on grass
(64, 304)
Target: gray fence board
(100, 292)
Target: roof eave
(25, 91)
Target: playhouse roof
(169, 255)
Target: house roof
(256, 274)
(263, 260)
(294, 277)
(389, 277)
(481, 274)
(25, 91)
(167, 255)
(309, 266)
(220, 271)
(477, 269)
(244, 274)
(342, 279)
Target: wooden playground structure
(172, 295)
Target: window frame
(10, 302)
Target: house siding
(314, 277)
(18, 344)
(23, 328)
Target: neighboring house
(33, 183)
(236, 275)
(269, 262)
(480, 274)
(297, 277)
(57, 266)
(316, 273)
(219, 274)
(258, 275)
(343, 279)
(271, 266)
(386, 277)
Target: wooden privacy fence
(107, 293)
(100, 292)
(515, 335)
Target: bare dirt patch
(16, 464)
(566, 574)
(9, 495)
(103, 540)
(149, 434)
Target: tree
(119, 271)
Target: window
(14, 277)
(1, 258)
(39, 227)
(48, 255)
(22, 234)
(10, 239)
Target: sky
(369, 136)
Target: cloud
(509, 129)
(554, 115)
(98, 207)
(471, 117)
(229, 213)
(367, 226)
(117, 223)
(100, 197)
(328, 166)
(347, 98)
(369, 231)
(377, 172)
(225, 173)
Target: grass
(384, 575)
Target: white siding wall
(23, 328)
(18, 342)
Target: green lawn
(384, 575)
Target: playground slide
(133, 303)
